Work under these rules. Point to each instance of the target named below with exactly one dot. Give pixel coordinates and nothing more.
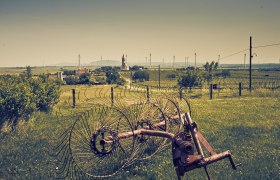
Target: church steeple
(124, 66)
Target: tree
(100, 79)
(28, 72)
(20, 97)
(114, 78)
(190, 79)
(69, 72)
(207, 66)
(44, 77)
(85, 79)
(216, 65)
(46, 94)
(141, 76)
(136, 68)
(210, 68)
(16, 101)
(71, 80)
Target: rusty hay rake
(107, 139)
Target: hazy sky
(54, 31)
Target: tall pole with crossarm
(250, 69)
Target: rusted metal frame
(178, 110)
(109, 139)
(205, 143)
(157, 133)
(209, 160)
(217, 157)
(194, 135)
(196, 140)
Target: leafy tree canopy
(21, 96)
(141, 75)
(190, 79)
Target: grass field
(249, 126)
(260, 79)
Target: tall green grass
(249, 126)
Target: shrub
(136, 68)
(141, 76)
(69, 72)
(85, 79)
(20, 97)
(46, 94)
(210, 68)
(16, 101)
(114, 78)
(100, 79)
(190, 79)
(71, 80)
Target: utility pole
(159, 76)
(244, 61)
(173, 61)
(101, 61)
(150, 60)
(163, 61)
(79, 56)
(146, 61)
(195, 60)
(219, 60)
(250, 70)
(186, 62)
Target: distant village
(96, 77)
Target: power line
(274, 44)
(261, 46)
(234, 54)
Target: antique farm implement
(105, 140)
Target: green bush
(100, 79)
(81, 79)
(190, 79)
(46, 94)
(71, 80)
(141, 76)
(114, 78)
(136, 68)
(20, 97)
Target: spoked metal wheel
(94, 144)
(171, 110)
(149, 117)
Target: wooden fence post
(74, 98)
(240, 89)
(219, 88)
(211, 91)
(112, 95)
(131, 77)
(148, 94)
(181, 93)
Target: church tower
(124, 66)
